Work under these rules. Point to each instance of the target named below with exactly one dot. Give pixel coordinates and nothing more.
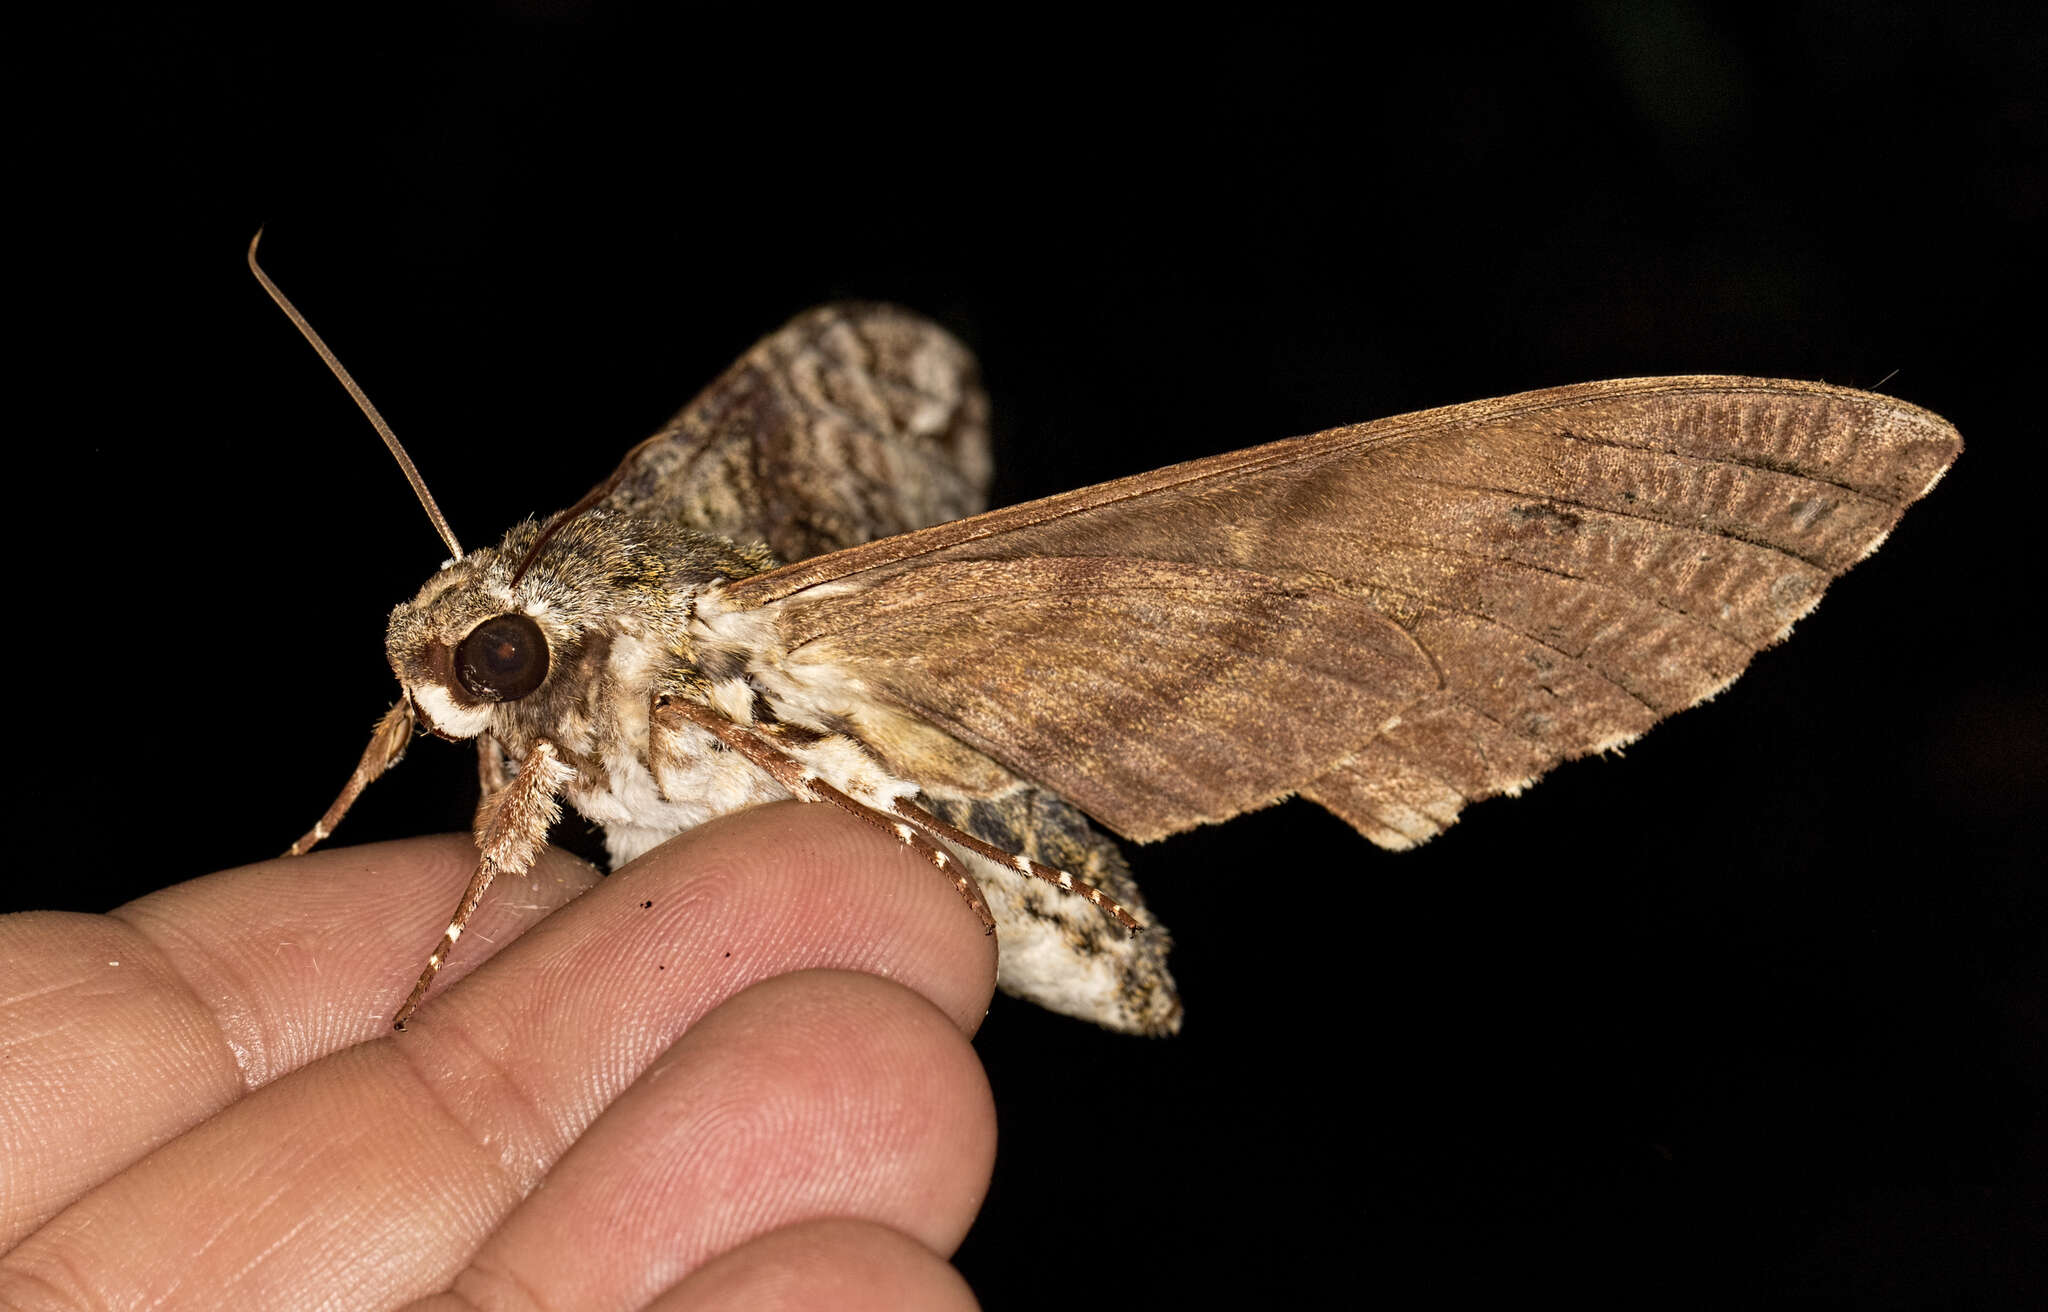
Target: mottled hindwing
(1394, 618)
(850, 423)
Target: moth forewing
(1395, 618)
(1392, 619)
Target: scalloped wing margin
(1392, 619)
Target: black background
(1754, 1015)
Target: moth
(793, 590)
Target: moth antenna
(562, 521)
(590, 498)
(362, 399)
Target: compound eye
(502, 659)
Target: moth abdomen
(1058, 950)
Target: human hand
(739, 1066)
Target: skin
(757, 1092)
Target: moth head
(497, 628)
(522, 631)
(471, 644)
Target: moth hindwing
(1391, 619)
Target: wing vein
(1754, 463)
(1556, 499)
(1509, 562)
(1574, 658)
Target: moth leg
(493, 767)
(387, 745)
(804, 784)
(1023, 865)
(511, 825)
(912, 839)
(494, 773)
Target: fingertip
(847, 1265)
(862, 901)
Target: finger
(295, 957)
(414, 1149)
(121, 1031)
(849, 1266)
(820, 1094)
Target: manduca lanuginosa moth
(792, 590)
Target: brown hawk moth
(794, 590)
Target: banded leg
(387, 744)
(493, 767)
(1018, 862)
(912, 839)
(804, 784)
(511, 825)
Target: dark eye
(502, 659)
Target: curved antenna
(561, 521)
(412, 474)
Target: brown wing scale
(1393, 618)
